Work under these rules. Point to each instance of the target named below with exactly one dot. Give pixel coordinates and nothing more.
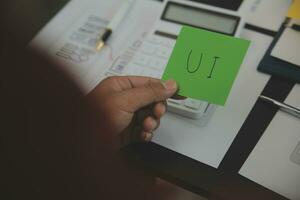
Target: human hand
(131, 107)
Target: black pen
(114, 23)
(104, 38)
(296, 27)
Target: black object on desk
(296, 27)
(275, 66)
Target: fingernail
(153, 124)
(170, 85)
(148, 137)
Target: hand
(131, 107)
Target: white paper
(73, 51)
(288, 47)
(275, 161)
(209, 144)
(267, 14)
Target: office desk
(221, 183)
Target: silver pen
(285, 107)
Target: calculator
(156, 49)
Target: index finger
(130, 82)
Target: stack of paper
(288, 47)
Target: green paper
(205, 64)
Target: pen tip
(264, 98)
(100, 45)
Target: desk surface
(221, 183)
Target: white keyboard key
(177, 102)
(193, 104)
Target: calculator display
(201, 18)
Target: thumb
(152, 92)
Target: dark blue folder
(275, 66)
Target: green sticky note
(205, 64)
